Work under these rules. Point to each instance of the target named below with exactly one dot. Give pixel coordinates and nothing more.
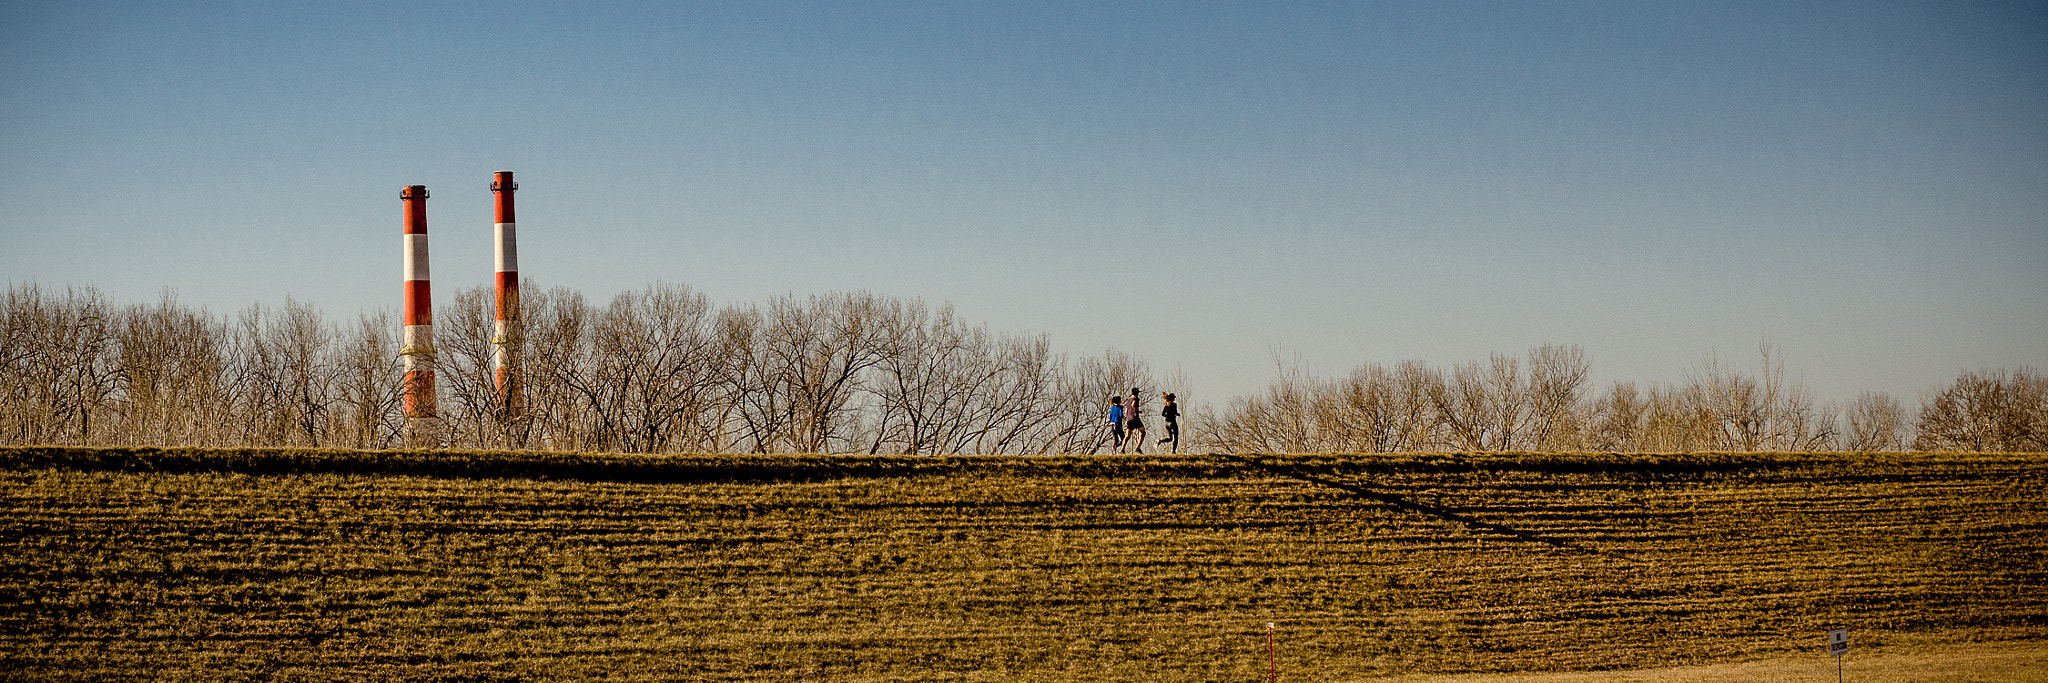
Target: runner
(1172, 414)
(1134, 424)
(1116, 422)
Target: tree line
(663, 369)
(1543, 401)
(650, 371)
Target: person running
(1172, 414)
(1116, 422)
(1134, 425)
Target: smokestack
(419, 320)
(510, 335)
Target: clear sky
(1863, 184)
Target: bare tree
(1024, 415)
(1675, 422)
(679, 401)
(464, 330)
(558, 362)
(1281, 420)
(1557, 381)
(1422, 427)
(1987, 411)
(1877, 422)
(818, 351)
(171, 369)
(931, 374)
(637, 375)
(1753, 414)
(1362, 413)
(763, 414)
(62, 370)
(1470, 410)
(1490, 407)
(281, 375)
(2030, 400)
(1619, 419)
(368, 385)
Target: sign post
(1838, 645)
(1272, 663)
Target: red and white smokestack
(508, 336)
(419, 309)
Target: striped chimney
(419, 309)
(509, 335)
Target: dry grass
(1950, 663)
(233, 566)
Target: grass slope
(330, 565)
(1950, 663)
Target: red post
(1272, 660)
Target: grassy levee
(186, 564)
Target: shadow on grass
(1430, 510)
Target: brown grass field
(150, 564)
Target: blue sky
(1862, 184)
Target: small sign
(1838, 642)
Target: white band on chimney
(419, 341)
(506, 242)
(416, 257)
